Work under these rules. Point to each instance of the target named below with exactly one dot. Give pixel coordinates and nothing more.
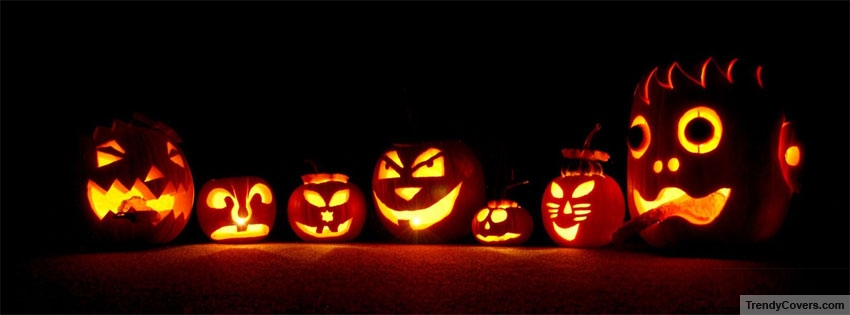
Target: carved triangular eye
(314, 198)
(109, 152)
(583, 189)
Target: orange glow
(232, 232)
(701, 81)
(176, 157)
(496, 238)
(105, 158)
(566, 233)
(319, 178)
(699, 211)
(729, 70)
(154, 173)
(657, 167)
(647, 137)
(326, 231)
(120, 199)
(792, 156)
(645, 96)
(407, 193)
(421, 218)
(712, 117)
(758, 77)
(673, 164)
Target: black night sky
(257, 88)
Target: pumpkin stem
(505, 191)
(592, 132)
(313, 163)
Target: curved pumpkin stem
(313, 163)
(509, 187)
(590, 135)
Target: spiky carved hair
(675, 77)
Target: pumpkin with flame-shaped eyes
(138, 187)
(237, 209)
(502, 222)
(583, 207)
(427, 192)
(712, 160)
(327, 208)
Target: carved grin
(566, 233)
(326, 231)
(676, 202)
(231, 231)
(422, 218)
(496, 238)
(119, 199)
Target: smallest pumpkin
(583, 207)
(502, 223)
(237, 209)
(326, 208)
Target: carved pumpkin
(428, 191)
(502, 222)
(138, 186)
(237, 209)
(327, 208)
(583, 207)
(712, 160)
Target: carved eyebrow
(393, 156)
(426, 156)
(112, 144)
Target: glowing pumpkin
(138, 186)
(502, 222)
(327, 208)
(583, 207)
(428, 191)
(712, 160)
(237, 209)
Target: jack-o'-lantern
(237, 209)
(583, 207)
(427, 192)
(327, 208)
(712, 160)
(138, 187)
(502, 223)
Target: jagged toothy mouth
(120, 200)
(326, 231)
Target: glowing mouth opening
(423, 218)
(326, 231)
(232, 231)
(566, 233)
(496, 238)
(675, 202)
(119, 199)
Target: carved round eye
(639, 137)
(700, 130)
(498, 215)
(482, 215)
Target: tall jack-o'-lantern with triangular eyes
(138, 188)
(712, 158)
(428, 192)
(237, 209)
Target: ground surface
(399, 278)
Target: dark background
(255, 88)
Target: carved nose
(407, 193)
(153, 173)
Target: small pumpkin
(237, 209)
(583, 207)
(427, 192)
(326, 208)
(138, 186)
(712, 159)
(502, 223)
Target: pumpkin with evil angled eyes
(138, 187)
(237, 209)
(427, 192)
(712, 160)
(327, 208)
(583, 207)
(502, 222)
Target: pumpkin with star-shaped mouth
(327, 208)
(237, 209)
(583, 207)
(428, 191)
(138, 187)
(712, 159)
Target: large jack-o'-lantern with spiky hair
(712, 159)
(427, 192)
(138, 188)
